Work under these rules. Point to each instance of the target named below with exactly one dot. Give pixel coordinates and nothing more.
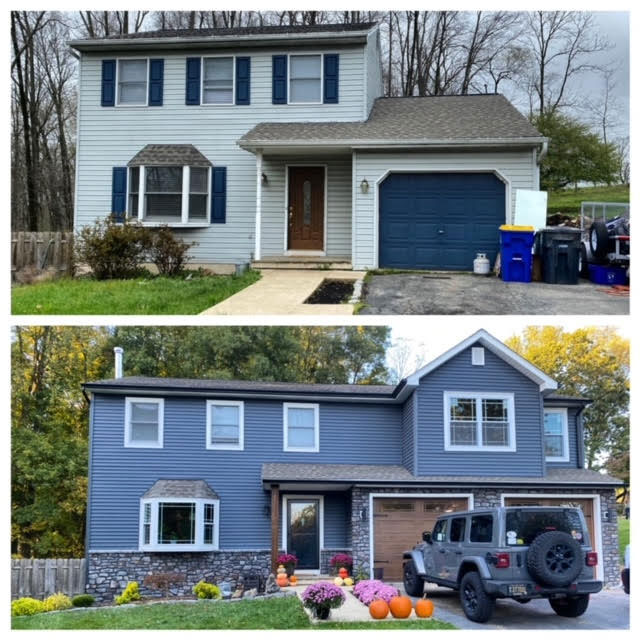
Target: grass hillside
(568, 201)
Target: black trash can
(559, 249)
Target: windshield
(523, 526)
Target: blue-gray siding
(408, 435)
(458, 374)
(119, 476)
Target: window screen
(305, 75)
(217, 82)
(132, 82)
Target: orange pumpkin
(379, 609)
(293, 580)
(424, 608)
(400, 606)
(282, 580)
(343, 573)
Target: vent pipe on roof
(118, 351)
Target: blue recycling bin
(516, 260)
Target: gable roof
(169, 155)
(482, 119)
(545, 382)
(352, 33)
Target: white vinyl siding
(556, 435)
(111, 137)
(132, 77)
(143, 422)
(225, 424)
(301, 427)
(515, 166)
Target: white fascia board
(545, 382)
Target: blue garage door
(439, 220)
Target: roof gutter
(453, 483)
(258, 40)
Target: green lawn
(152, 295)
(623, 535)
(285, 613)
(569, 200)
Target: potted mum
(341, 561)
(321, 597)
(289, 561)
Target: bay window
(479, 421)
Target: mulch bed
(331, 292)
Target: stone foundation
(490, 497)
(108, 573)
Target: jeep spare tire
(555, 559)
(599, 240)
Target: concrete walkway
(351, 611)
(284, 292)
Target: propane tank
(481, 264)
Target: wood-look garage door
(398, 524)
(586, 504)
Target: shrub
(207, 591)
(162, 581)
(113, 250)
(369, 590)
(130, 593)
(26, 607)
(83, 600)
(167, 252)
(57, 602)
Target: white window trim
(285, 426)
(565, 433)
(184, 205)
(478, 397)
(233, 80)
(127, 423)
(307, 54)
(226, 403)
(199, 544)
(146, 96)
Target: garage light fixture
(364, 186)
(363, 513)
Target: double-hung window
(163, 194)
(556, 435)
(179, 524)
(217, 81)
(144, 422)
(132, 82)
(479, 421)
(305, 79)
(225, 424)
(301, 427)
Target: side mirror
(426, 536)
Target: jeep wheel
(555, 559)
(570, 607)
(599, 240)
(477, 604)
(413, 583)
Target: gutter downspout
(258, 231)
(543, 152)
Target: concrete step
(295, 264)
(306, 579)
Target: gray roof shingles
(483, 117)
(181, 489)
(166, 155)
(370, 473)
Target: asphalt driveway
(608, 609)
(422, 293)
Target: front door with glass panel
(305, 230)
(303, 532)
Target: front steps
(338, 263)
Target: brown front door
(306, 209)
(398, 525)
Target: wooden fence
(41, 250)
(38, 578)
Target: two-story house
(213, 478)
(273, 144)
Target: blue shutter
(219, 194)
(108, 83)
(156, 82)
(243, 80)
(193, 81)
(119, 193)
(331, 67)
(279, 82)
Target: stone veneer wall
(108, 573)
(490, 498)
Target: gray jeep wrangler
(507, 552)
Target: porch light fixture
(364, 186)
(264, 178)
(266, 510)
(363, 513)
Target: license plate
(517, 589)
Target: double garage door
(439, 220)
